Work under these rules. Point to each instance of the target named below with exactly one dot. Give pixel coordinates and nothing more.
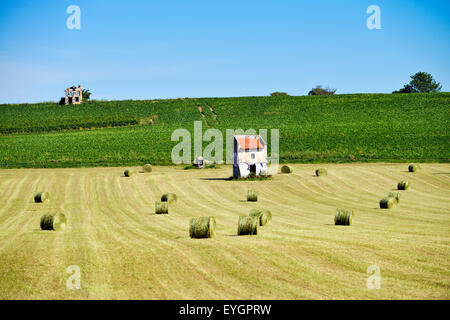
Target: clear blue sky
(169, 49)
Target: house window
(253, 156)
(77, 99)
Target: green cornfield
(339, 128)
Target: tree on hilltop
(319, 91)
(421, 82)
(278, 94)
(86, 94)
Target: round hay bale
(264, 216)
(248, 225)
(147, 168)
(413, 167)
(395, 195)
(286, 169)
(343, 217)
(387, 203)
(403, 185)
(255, 212)
(129, 173)
(53, 222)
(252, 195)
(161, 207)
(202, 227)
(321, 172)
(169, 197)
(42, 197)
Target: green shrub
(278, 94)
(319, 91)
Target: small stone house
(249, 155)
(73, 95)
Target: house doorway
(70, 100)
(253, 168)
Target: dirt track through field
(125, 251)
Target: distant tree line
(278, 94)
(420, 82)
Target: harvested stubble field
(125, 251)
(335, 128)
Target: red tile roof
(247, 143)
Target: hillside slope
(341, 128)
